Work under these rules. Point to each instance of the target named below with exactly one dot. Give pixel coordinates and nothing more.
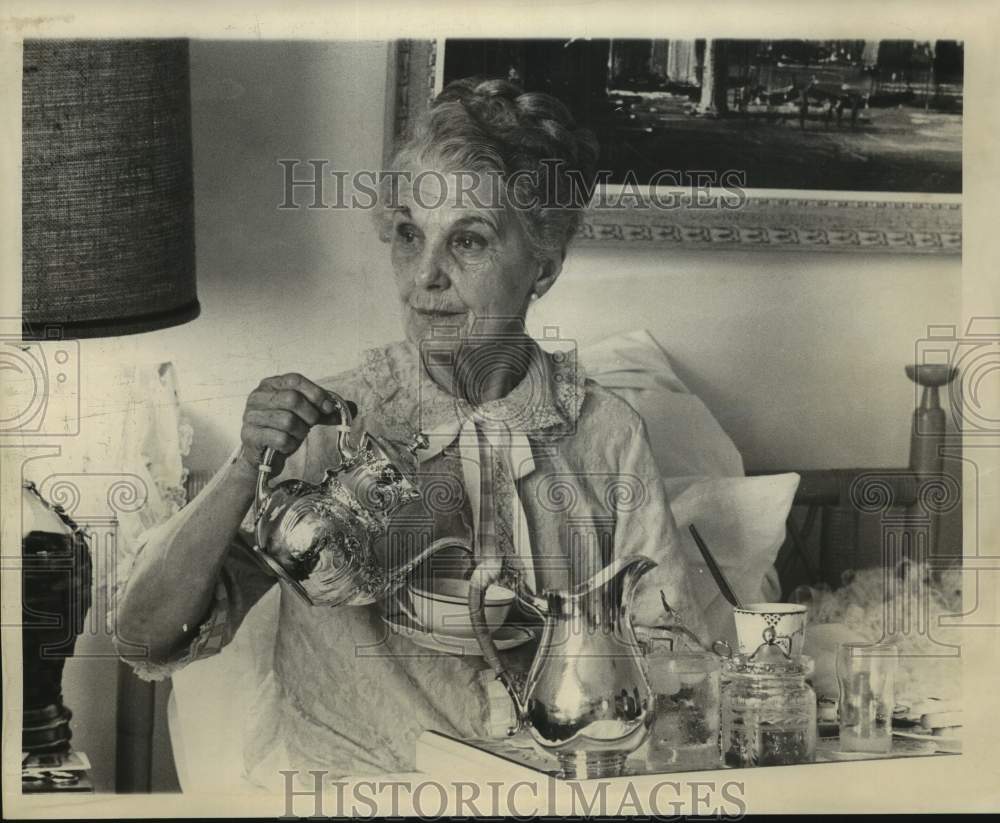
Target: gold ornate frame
(768, 219)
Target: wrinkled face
(462, 267)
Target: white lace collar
(544, 405)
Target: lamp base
(46, 730)
(56, 580)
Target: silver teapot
(321, 539)
(586, 699)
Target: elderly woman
(479, 223)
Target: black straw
(713, 567)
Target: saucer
(506, 637)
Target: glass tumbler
(685, 730)
(866, 674)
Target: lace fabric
(545, 404)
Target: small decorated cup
(787, 620)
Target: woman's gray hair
(527, 139)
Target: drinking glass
(866, 674)
(685, 730)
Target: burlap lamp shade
(107, 192)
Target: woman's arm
(645, 525)
(171, 585)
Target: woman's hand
(279, 414)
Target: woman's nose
(431, 273)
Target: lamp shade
(107, 190)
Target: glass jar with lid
(768, 711)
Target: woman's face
(462, 267)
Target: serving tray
(517, 757)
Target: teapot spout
(633, 570)
(618, 579)
(396, 576)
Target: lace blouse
(346, 695)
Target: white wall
(799, 355)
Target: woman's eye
(407, 234)
(470, 242)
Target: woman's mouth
(436, 312)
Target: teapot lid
(399, 449)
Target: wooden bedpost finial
(931, 376)
(929, 422)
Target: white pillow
(686, 439)
(742, 520)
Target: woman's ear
(549, 271)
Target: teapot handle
(264, 468)
(344, 427)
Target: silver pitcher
(586, 699)
(320, 539)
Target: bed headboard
(846, 519)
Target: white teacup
(788, 620)
(444, 609)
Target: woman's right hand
(279, 414)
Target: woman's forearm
(171, 585)
(170, 588)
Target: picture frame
(763, 220)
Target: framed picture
(833, 145)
